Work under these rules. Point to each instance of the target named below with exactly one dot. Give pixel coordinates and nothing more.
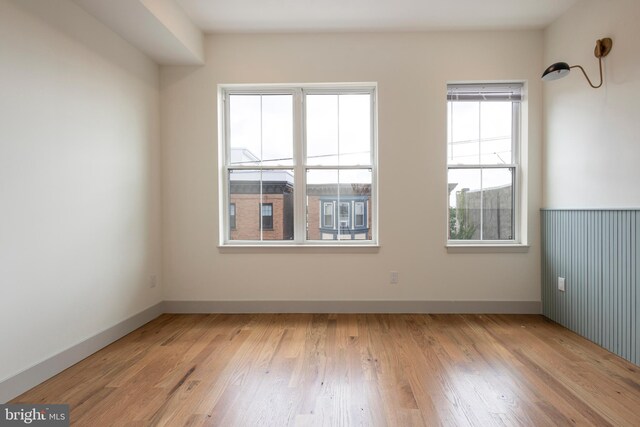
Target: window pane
(339, 193)
(322, 190)
(263, 202)
(355, 130)
(495, 132)
(497, 204)
(338, 129)
(267, 216)
(464, 133)
(481, 204)
(232, 216)
(359, 214)
(261, 129)
(464, 204)
(277, 130)
(322, 129)
(327, 219)
(344, 215)
(480, 132)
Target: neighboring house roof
(246, 157)
(242, 155)
(264, 176)
(274, 179)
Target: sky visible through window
(479, 133)
(263, 125)
(338, 132)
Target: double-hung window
(306, 156)
(483, 162)
(267, 216)
(327, 220)
(359, 214)
(232, 216)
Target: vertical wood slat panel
(546, 255)
(594, 274)
(636, 333)
(544, 224)
(626, 266)
(597, 252)
(608, 280)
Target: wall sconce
(561, 69)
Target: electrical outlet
(153, 281)
(562, 284)
(394, 278)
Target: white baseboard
(30, 377)
(486, 307)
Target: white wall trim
(30, 377)
(485, 307)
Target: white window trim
(518, 243)
(299, 153)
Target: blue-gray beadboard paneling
(598, 252)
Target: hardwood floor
(335, 370)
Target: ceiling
(171, 31)
(217, 16)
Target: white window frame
(515, 164)
(298, 92)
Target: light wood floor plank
(348, 370)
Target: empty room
(319, 213)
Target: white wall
(79, 180)
(592, 142)
(412, 70)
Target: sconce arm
(587, 77)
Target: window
(344, 215)
(359, 214)
(483, 162)
(304, 154)
(327, 219)
(267, 216)
(351, 212)
(232, 216)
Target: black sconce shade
(556, 71)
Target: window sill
(252, 248)
(486, 248)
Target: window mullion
(299, 174)
(516, 159)
(339, 161)
(224, 186)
